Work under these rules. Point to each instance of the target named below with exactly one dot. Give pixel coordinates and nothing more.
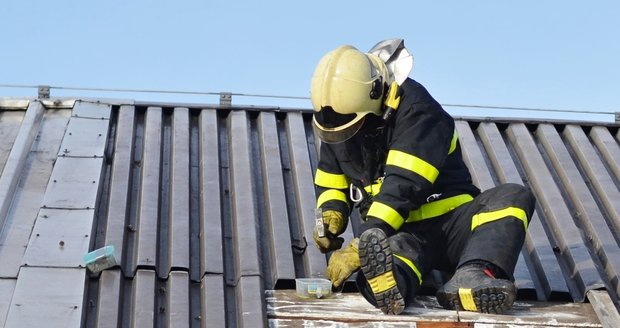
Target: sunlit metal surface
(210, 208)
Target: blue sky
(534, 54)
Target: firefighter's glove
(334, 224)
(343, 263)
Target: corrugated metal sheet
(47, 207)
(208, 208)
(197, 198)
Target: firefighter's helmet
(346, 86)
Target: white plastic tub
(313, 287)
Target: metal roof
(211, 207)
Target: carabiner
(355, 193)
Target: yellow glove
(334, 224)
(343, 263)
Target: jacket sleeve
(422, 139)
(330, 183)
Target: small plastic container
(100, 259)
(313, 287)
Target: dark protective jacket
(409, 168)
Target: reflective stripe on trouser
(498, 220)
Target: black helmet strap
(376, 90)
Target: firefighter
(391, 151)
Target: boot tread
(376, 264)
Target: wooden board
(286, 309)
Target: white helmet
(346, 86)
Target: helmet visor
(332, 127)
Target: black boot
(377, 265)
(474, 288)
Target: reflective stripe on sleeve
(486, 217)
(386, 213)
(455, 138)
(412, 163)
(331, 194)
(330, 180)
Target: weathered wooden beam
(604, 307)
(286, 309)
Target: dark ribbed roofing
(208, 208)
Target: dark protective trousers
(448, 241)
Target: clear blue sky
(543, 54)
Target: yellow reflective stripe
(330, 194)
(386, 213)
(412, 163)
(373, 189)
(412, 266)
(467, 299)
(330, 180)
(486, 217)
(438, 207)
(393, 99)
(382, 282)
(455, 138)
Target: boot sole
(376, 263)
(494, 298)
